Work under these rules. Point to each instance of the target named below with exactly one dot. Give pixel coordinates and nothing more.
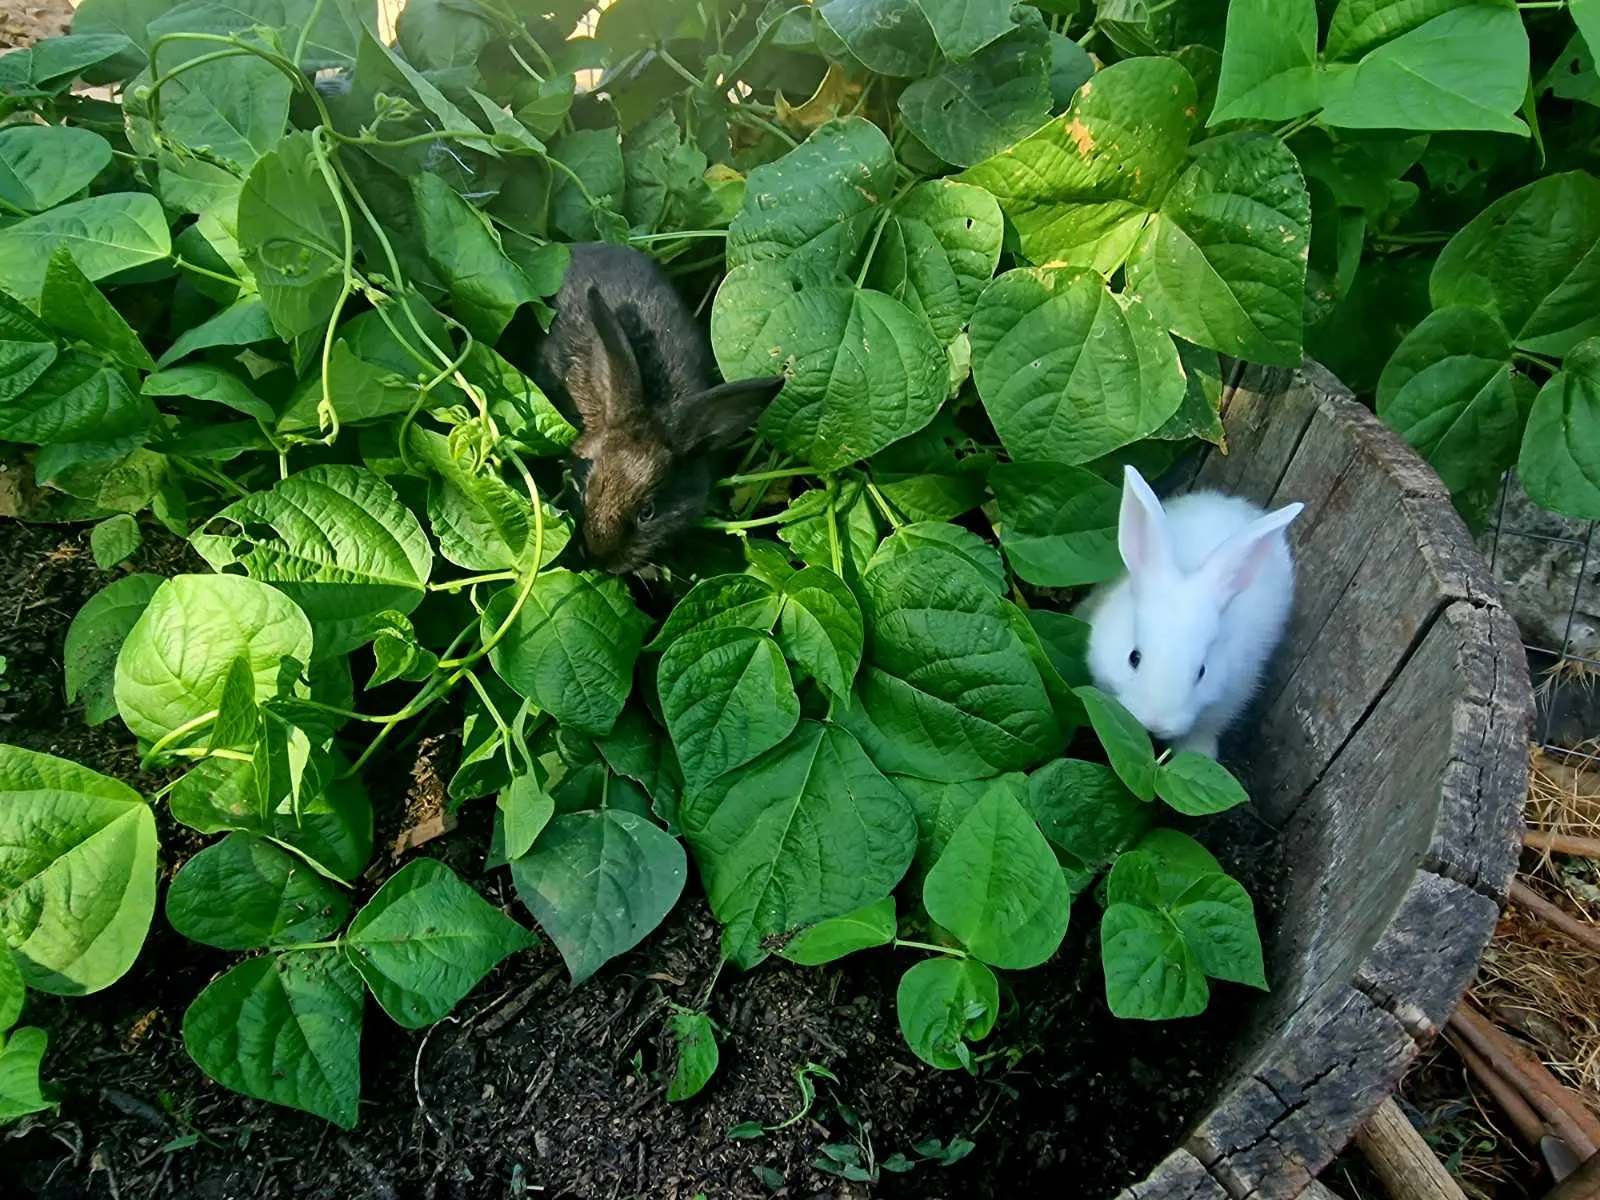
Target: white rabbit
(1183, 637)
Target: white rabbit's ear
(1142, 535)
(1234, 564)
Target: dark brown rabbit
(627, 362)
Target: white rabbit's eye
(1133, 659)
(1202, 674)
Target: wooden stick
(1530, 1125)
(1570, 1120)
(1562, 843)
(1404, 1163)
(1582, 1184)
(1585, 934)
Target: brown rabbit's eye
(647, 513)
(1133, 659)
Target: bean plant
(275, 295)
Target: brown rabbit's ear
(717, 417)
(604, 382)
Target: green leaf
(1533, 259)
(1084, 809)
(1065, 639)
(571, 646)
(1198, 786)
(1068, 370)
(293, 238)
(332, 829)
(1465, 69)
(1218, 924)
(214, 384)
(424, 941)
(1058, 524)
(721, 602)
(816, 206)
(940, 808)
(1359, 25)
(820, 628)
(174, 664)
(42, 166)
(891, 37)
(336, 540)
(1070, 68)
(229, 112)
(1269, 62)
(856, 526)
(103, 234)
(56, 60)
(1126, 743)
(77, 872)
(482, 523)
(951, 233)
(12, 990)
(524, 413)
(20, 1057)
(1151, 974)
(950, 691)
(594, 156)
(871, 925)
(943, 538)
(75, 306)
(967, 110)
(335, 28)
(963, 27)
(726, 696)
(114, 540)
(1080, 189)
(246, 894)
(808, 831)
(241, 324)
(944, 1003)
(1450, 391)
(695, 1041)
(485, 286)
(1560, 461)
(598, 882)
(75, 397)
(1223, 262)
(284, 1028)
(525, 810)
(94, 639)
(864, 371)
(383, 67)
(998, 887)
(635, 748)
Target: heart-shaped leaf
(424, 941)
(598, 883)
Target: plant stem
(174, 735)
(836, 554)
(683, 71)
(739, 526)
(329, 945)
(645, 239)
(883, 506)
(455, 585)
(740, 113)
(763, 476)
(908, 944)
(184, 264)
(305, 33)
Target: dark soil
(532, 1087)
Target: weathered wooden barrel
(1392, 753)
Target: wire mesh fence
(1548, 568)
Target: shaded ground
(533, 1088)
